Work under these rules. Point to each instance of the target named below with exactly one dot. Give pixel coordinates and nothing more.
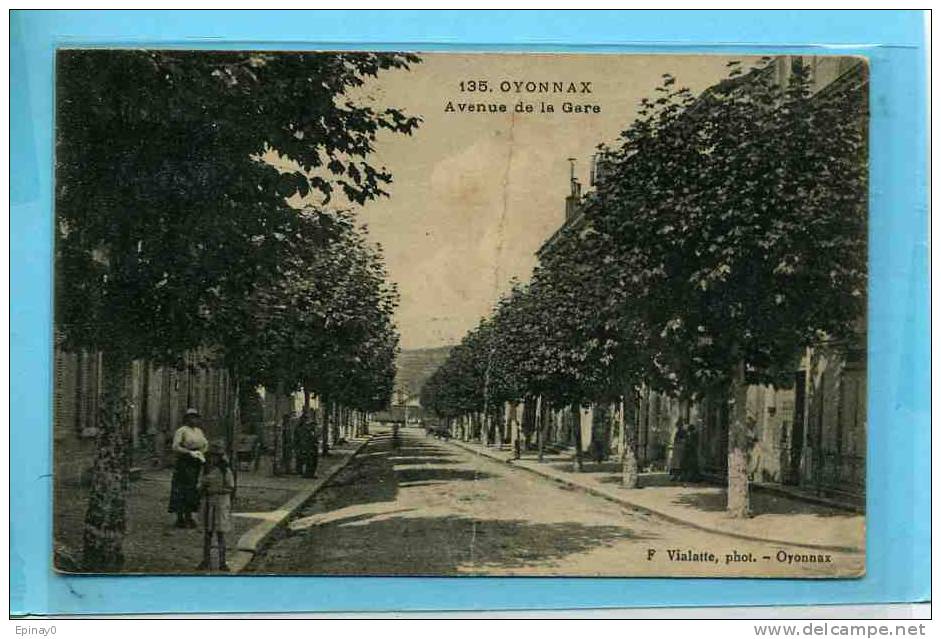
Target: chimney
(571, 202)
(598, 170)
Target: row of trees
(323, 323)
(726, 233)
(174, 232)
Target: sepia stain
(501, 229)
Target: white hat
(192, 411)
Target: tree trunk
(106, 516)
(280, 435)
(164, 436)
(577, 432)
(629, 474)
(235, 427)
(325, 427)
(739, 444)
(335, 430)
(541, 427)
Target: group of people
(298, 444)
(684, 459)
(202, 482)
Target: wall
(158, 397)
(812, 434)
(834, 451)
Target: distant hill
(416, 366)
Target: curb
(252, 539)
(621, 500)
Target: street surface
(425, 507)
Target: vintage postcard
(404, 313)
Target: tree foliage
(726, 233)
(166, 208)
(324, 323)
(174, 228)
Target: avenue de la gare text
(521, 107)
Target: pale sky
(476, 194)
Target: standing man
(287, 453)
(691, 455)
(305, 445)
(282, 457)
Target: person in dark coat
(691, 455)
(305, 445)
(287, 444)
(678, 453)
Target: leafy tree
(456, 389)
(167, 211)
(747, 209)
(323, 322)
(728, 232)
(356, 366)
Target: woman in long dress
(189, 447)
(678, 452)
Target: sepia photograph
(447, 314)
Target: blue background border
(899, 387)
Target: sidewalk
(153, 545)
(251, 541)
(778, 518)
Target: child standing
(216, 486)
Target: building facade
(158, 398)
(810, 433)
